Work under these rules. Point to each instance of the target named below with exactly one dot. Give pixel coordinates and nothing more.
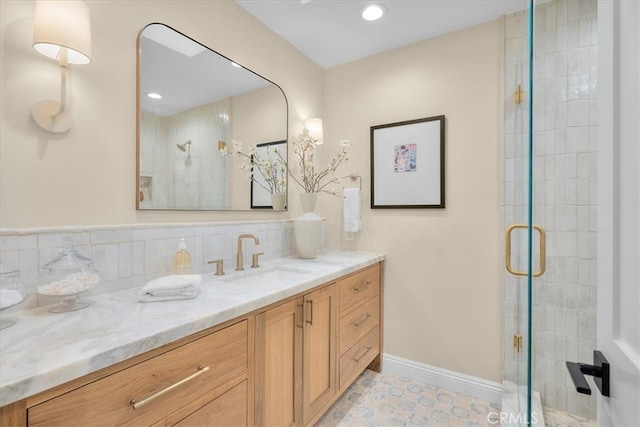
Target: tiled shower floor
(388, 400)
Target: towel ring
(353, 176)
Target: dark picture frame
(408, 164)
(261, 198)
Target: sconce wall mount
(62, 31)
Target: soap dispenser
(182, 259)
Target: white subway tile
(138, 258)
(125, 266)
(584, 33)
(110, 236)
(561, 38)
(105, 259)
(573, 10)
(584, 278)
(18, 242)
(561, 12)
(55, 240)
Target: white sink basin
(267, 275)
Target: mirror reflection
(193, 102)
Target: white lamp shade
(63, 24)
(314, 126)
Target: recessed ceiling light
(154, 95)
(373, 12)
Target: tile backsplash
(129, 255)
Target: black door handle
(599, 370)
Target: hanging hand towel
(352, 210)
(167, 288)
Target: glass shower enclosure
(550, 156)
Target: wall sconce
(314, 126)
(62, 31)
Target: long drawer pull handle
(139, 404)
(367, 350)
(310, 320)
(364, 319)
(300, 325)
(361, 286)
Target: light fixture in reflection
(236, 65)
(154, 95)
(314, 126)
(373, 12)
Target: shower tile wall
(197, 179)
(201, 179)
(565, 180)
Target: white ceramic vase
(278, 201)
(308, 228)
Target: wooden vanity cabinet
(310, 349)
(359, 324)
(283, 365)
(202, 382)
(295, 359)
(319, 378)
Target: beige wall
(443, 291)
(87, 176)
(257, 118)
(443, 282)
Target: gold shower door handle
(543, 250)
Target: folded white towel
(352, 210)
(9, 297)
(173, 287)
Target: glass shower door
(550, 183)
(525, 241)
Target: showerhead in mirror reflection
(205, 99)
(183, 147)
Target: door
(319, 354)
(524, 243)
(277, 361)
(619, 210)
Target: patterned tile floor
(389, 400)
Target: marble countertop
(43, 350)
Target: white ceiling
(332, 32)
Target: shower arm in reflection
(183, 147)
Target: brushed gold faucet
(239, 262)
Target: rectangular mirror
(193, 102)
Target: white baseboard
(454, 381)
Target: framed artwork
(260, 196)
(407, 164)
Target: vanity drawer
(354, 361)
(228, 410)
(358, 287)
(355, 324)
(109, 399)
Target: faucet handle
(254, 259)
(219, 266)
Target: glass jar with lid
(68, 275)
(11, 292)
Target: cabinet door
(278, 365)
(319, 355)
